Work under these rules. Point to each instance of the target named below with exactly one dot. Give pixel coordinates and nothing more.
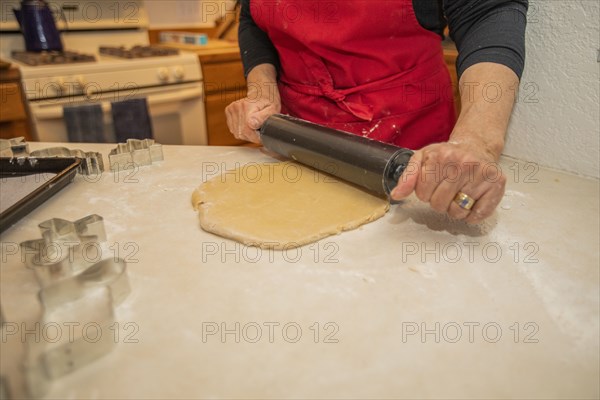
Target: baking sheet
(13, 189)
(25, 183)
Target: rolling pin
(373, 165)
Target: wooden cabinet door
(218, 133)
(13, 116)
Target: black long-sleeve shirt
(483, 30)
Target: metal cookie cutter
(92, 163)
(61, 252)
(75, 292)
(90, 315)
(14, 147)
(62, 266)
(109, 273)
(135, 152)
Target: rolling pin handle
(395, 168)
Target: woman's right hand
(246, 116)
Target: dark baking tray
(64, 168)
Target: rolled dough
(282, 205)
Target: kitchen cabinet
(14, 117)
(224, 82)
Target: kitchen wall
(186, 13)
(556, 122)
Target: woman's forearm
(488, 92)
(261, 78)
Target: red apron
(366, 64)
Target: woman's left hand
(440, 172)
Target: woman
(375, 68)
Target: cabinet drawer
(12, 129)
(11, 104)
(223, 76)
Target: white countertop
(511, 306)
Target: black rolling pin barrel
(373, 165)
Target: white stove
(107, 74)
(171, 84)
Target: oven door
(177, 113)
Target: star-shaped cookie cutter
(134, 152)
(62, 267)
(60, 252)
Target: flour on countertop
(424, 270)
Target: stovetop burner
(138, 51)
(51, 57)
